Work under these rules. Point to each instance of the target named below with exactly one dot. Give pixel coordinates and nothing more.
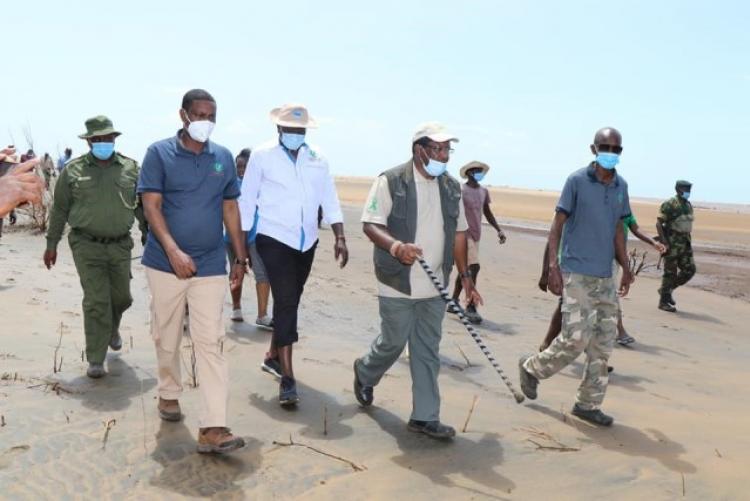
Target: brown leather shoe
(169, 410)
(218, 440)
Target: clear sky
(525, 84)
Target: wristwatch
(240, 261)
(465, 274)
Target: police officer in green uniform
(674, 224)
(96, 196)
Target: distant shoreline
(698, 204)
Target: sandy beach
(678, 395)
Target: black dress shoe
(363, 394)
(434, 429)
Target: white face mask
(200, 130)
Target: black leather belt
(102, 240)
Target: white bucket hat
(293, 115)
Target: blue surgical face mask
(686, 195)
(435, 168)
(607, 160)
(478, 176)
(102, 151)
(292, 141)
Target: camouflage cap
(99, 126)
(682, 183)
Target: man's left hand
(340, 251)
(238, 274)
(625, 281)
(501, 236)
(472, 294)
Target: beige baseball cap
(473, 165)
(293, 115)
(435, 131)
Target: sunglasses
(608, 148)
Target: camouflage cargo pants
(589, 323)
(679, 266)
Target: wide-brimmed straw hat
(473, 165)
(293, 115)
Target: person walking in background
(262, 285)
(674, 225)
(67, 155)
(476, 200)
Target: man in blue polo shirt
(588, 216)
(189, 188)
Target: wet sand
(678, 395)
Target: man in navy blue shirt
(588, 217)
(189, 189)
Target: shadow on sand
(314, 407)
(188, 473)
(114, 391)
(443, 460)
(652, 444)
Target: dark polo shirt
(193, 189)
(594, 210)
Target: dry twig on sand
(108, 425)
(471, 410)
(292, 443)
(55, 367)
(683, 484)
(325, 420)
(553, 443)
(468, 363)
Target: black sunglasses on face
(608, 148)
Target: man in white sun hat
(476, 200)
(413, 210)
(287, 181)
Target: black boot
(670, 299)
(664, 304)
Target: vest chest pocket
(398, 209)
(453, 208)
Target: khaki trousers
(204, 297)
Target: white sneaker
(237, 315)
(264, 322)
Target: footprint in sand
(41, 291)
(7, 457)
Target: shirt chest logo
(217, 169)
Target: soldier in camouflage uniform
(588, 218)
(674, 224)
(96, 195)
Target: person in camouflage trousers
(674, 224)
(95, 195)
(588, 221)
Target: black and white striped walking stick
(474, 334)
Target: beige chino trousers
(204, 297)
